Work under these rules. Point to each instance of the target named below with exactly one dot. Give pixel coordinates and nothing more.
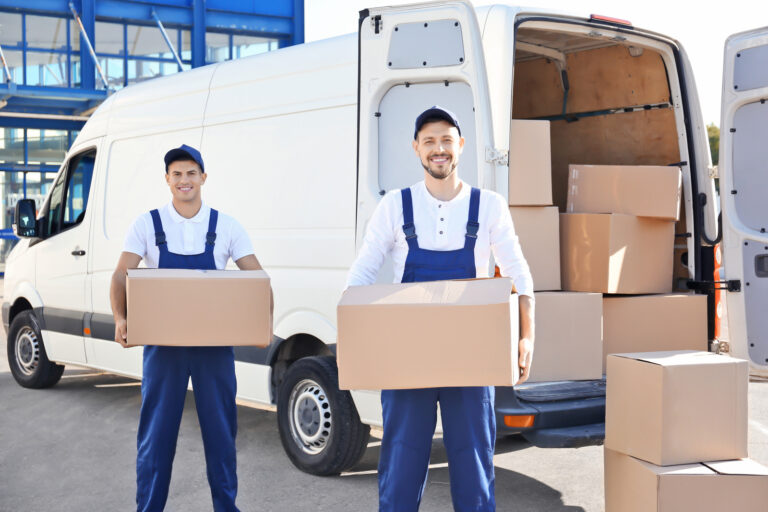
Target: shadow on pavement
(73, 447)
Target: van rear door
(743, 185)
(410, 58)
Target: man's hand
(525, 349)
(121, 332)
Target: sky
(700, 28)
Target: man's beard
(454, 164)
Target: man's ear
(167, 178)
(204, 176)
(461, 144)
(415, 146)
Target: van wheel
(319, 426)
(26, 354)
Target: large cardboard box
(424, 335)
(198, 307)
(650, 323)
(538, 229)
(633, 485)
(568, 336)
(530, 163)
(615, 253)
(642, 190)
(677, 407)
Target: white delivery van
(300, 144)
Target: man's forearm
(527, 306)
(117, 295)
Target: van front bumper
(566, 414)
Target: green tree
(713, 132)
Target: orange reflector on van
(87, 331)
(608, 19)
(525, 421)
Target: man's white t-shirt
(187, 236)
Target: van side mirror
(25, 219)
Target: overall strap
(159, 233)
(408, 227)
(210, 236)
(472, 224)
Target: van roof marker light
(608, 19)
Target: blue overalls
(163, 389)
(410, 415)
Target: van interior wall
(603, 78)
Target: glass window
(113, 71)
(46, 32)
(47, 147)
(139, 70)
(109, 38)
(52, 214)
(185, 48)
(12, 146)
(78, 188)
(74, 31)
(10, 29)
(245, 46)
(149, 42)
(14, 61)
(216, 47)
(49, 69)
(68, 201)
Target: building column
(87, 67)
(198, 33)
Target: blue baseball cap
(433, 113)
(184, 152)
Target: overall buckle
(160, 238)
(472, 228)
(210, 238)
(409, 230)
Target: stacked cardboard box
(568, 324)
(617, 238)
(669, 415)
(618, 233)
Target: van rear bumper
(567, 414)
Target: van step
(568, 437)
(560, 390)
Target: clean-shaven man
(184, 233)
(441, 228)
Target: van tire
(319, 426)
(26, 354)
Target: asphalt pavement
(72, 448)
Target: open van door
(743, 186)
(412, 57)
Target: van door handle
(78, 252)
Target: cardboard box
(615, 253)
(676, 407)
(650, 323)
(569, 337)
(641, 190)
(424, 335)
(633, 485)
(530, 163)
(538, 229)
(198, 307)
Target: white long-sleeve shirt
(442, 226)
